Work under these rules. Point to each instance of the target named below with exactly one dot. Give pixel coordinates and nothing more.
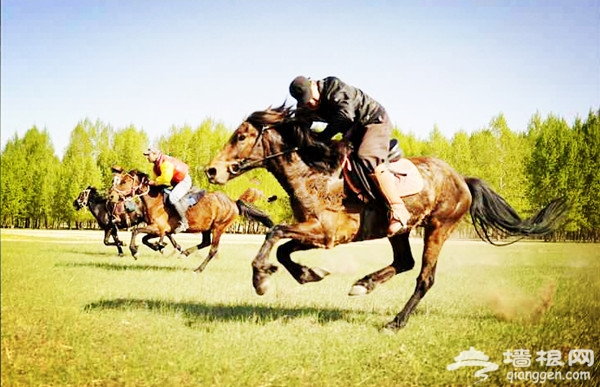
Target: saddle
(357, 180)
(191, 198)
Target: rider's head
(152, 154)
(306, 92)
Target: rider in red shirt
(173, 173)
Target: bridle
(135, 189)
(240, 165)
(83, 201)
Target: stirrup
(183, 226)
(396, 227)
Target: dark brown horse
(114, 216)
(327, 216)
(211, 215)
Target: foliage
(552, 159)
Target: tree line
(550, 159)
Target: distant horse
(211, 214)
(113, 216)
(328, 215)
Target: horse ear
(116, 169)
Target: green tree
(129, 145)
(78, 170)
(552, 162)
(14, 187)
(461, 157)
(437, 145)
(586, 176)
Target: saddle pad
(408, 178)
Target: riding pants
(180, 189)
(373, 147)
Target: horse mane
(319, 155)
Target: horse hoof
(319, 273)
(263, 286)
(385, 330)
(358, 290)
(135, 257)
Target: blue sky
(155, 63)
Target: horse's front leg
(307, 235)
(132, 246)
(115, 236)
(156, 246)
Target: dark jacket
(342, 107)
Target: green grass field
(75, 314)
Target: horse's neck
(309, 188)
(153, 203)
(98, 208)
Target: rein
(133, 191)
(238, 167)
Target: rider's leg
(373, 151)
(399, 214)
(175, 197)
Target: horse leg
(174, 242)
(214, 247)
(301, 273)
(118, 242)
(153, 232)
(434, 240)
(108, 232)
(310, 233)
(403, 261)
(132, 246)
(205, 242)
(156, 246)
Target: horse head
(265, 137)
(83, 198)
(127, 184)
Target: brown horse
(113, 216)
(211, 215)
(327, 215)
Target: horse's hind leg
(434, 239)
(301, 273)
(214, 246)
(403, 261)
(205, 242)
(108, 232)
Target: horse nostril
(210, 172)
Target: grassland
(74, 314)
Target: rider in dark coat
(363, 122)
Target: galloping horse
(98, 206)
(328, 216)
(212, 213)
(106, 213)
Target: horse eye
(241, 137)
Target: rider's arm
(167, 170)
(342, 120)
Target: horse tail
(493, 217)
(253, 213)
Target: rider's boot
(399, 214)
(181, 208)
